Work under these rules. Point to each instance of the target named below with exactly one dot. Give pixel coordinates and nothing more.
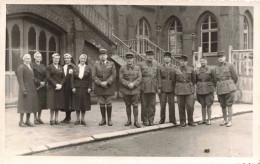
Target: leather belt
(224, 78)
(183, 81)
(204, 80)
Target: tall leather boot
(128, 113)
(230, 113)
(109, 113)
(136, 124)
(103, 114)
(209, 115)
(203, 112)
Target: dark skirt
(68, 95)
(42, 97)
(55, 98)
(81, 99)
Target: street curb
(110, 135)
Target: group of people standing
(58, 88)
(167, 80)
(67, 88)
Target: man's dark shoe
(183, 125)
(191, 124)
(64, 120)
(136, 124)
(146, 123)
(202, 122)
(128, 123)
(161, 122)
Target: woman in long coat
(39, 71)
(27, 98)
(81, 82)
(55, 95)
(68, 70)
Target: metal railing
(95, 18)
(122, 48)
(143, 44)
(243, 62)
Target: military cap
(149, 52)
(167, 54)
(221, 53)
(184, 57)
(102, 51)
(129, 54)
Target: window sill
(210, 54)
(9, 73)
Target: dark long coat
(55, 98)
(81, 99)
(127, 75)
(39, 72)
(151, 77)
(104, 72)
(27, 103)
(67, 89)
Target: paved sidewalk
(19, 140)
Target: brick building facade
(79, 29)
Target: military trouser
(164, 96)
(148, 101)
(226, 101)
(186, 101)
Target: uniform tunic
(104, 72)
(130, 74)
(28, 103)
(55, 98)
(205, 78)
(167, 91)
(40, 75)
(67, 88)
(185, 79)
(226, 78)
(81, 99)
(151, 82)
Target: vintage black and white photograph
(129, 80)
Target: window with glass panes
(175, 37)
(23, 36)
(142, 32)
(246, 33)
(142, 29)
(209, 35)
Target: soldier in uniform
(167, 90)
(226, 78)
(151, 83)
(104, 74)
(205, 78)
(130, 77)
(185, 79)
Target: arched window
(142, 30)
(6, 51)
(16, 51)
(209, 35)
(42, 46)
(175, 37)
(246, 33)
(52, 47)
(31, 41)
